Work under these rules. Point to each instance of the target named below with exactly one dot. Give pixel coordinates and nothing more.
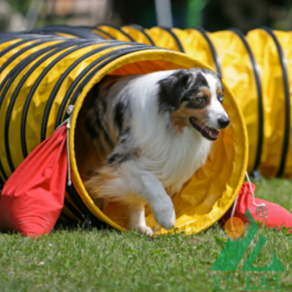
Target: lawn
(72, 259)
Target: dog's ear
(172, 88)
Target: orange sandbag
(265, 212)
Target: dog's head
(194, 97)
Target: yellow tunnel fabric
(40, 75)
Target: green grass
(82, 260)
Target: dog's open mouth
(207, 132)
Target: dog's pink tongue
(214, 133)
(198, 123)
(211, 132)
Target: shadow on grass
(73, 227)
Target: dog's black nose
(223, 122)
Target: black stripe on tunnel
(40, 39)
(260, 98)
(287, 101)
(11, 36)
(59, 47)
(113, 55)
(65, 218)
(147, 36)
(178, 42)
(104, 32)
(76, 46)
(71, 191)
(142, 30)
(73, 210)
(20, 52)
(212, 48)
(117, 28)
(1, 185)
(59, 83)
(11, 47)
(83, 32)
(11, 77)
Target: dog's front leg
(137, 219)
(128, 184)
(159, 201)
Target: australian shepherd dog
(141, 137)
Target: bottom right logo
(234, 251)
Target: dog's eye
(220, 98)
(200, 99)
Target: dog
(139, 138)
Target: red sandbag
(272, 215)
(33, 196)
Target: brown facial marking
(205, 92)
(180, 117)
(201, 100)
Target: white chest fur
(173, 160)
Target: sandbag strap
(253, 197)
(69, 112)
(67, 122)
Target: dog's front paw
(164, 214)
(166, 219)
(144, 229)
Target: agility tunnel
(257, 68)
(41, 75)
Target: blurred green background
(213, 15)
